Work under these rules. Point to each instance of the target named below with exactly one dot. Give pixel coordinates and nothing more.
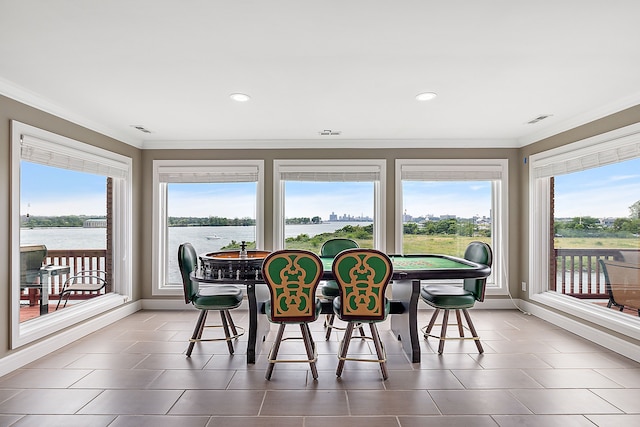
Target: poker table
(408, 271)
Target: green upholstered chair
(215, 297)
(329, 289)
(622, 282)
(362, 276)
(450, 297)
(292, 277)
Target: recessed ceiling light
(426, 96)
(240, 97)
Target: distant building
(95, 223)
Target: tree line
(56, 221)
(451, 226)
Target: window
(578, 196)
(211, 204)
(73, 179)
(312, 197)
(442, 205)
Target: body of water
(203, 239)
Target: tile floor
(134, 373)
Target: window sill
(626, 325)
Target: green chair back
(481, 253)
(362, 276)
(333, 247)
(292, 277)
(188, 262)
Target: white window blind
(353, 173)
(204, 174)
(606, 154)
(451, 172)
(71, 156)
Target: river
(204, 239)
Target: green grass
(596, 243)
(413, 244)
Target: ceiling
(352, 67)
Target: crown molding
(27, 97)
(580, 119)
(328, 144)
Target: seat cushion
(330, 289)
(447, 297)
(267, 310)
(218, 297)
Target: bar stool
(362, 276)
(292, 277)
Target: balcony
(77, 260)
(577, 272)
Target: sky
(604, 192)
(49, 191)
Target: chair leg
(443, 331)
(273, 354)
(309, 346)
(60, 300)
(379, 350)
(232, 325)
(197, 332)
(329, 325)
(344, 348)
(431, 322)
(225, 326)
(473, 330)
(460, 327)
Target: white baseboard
(31, 353)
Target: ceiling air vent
(141, 128)
(540, 117)
(329, 132)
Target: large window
(211, 204)
(318, 199)
(442, 205)
(71, 212)
(584, 203)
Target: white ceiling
(352, 66)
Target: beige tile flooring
(134, 373)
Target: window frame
(607, 148)
(105, 162)
(330, 166)
(160, 286)
(468, 169)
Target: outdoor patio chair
(622, 283)
(458, 298)
(84, 281)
